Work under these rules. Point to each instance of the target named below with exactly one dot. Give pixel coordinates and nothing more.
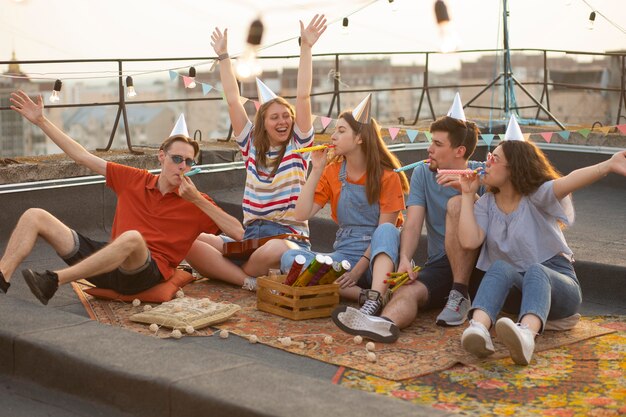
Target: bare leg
(212, 240)
(350, 293)
(209, 262)
(461, 261)
(33, 223)
(381, 265)
(128, 251)
(481, 317)
(533, 322)
(402, 309)
(267, 256)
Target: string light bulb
(248, 65)
(192, 76)
(592, 20)
(130, 87)
(344, 26)
(448, 39)
(394, 5)
(56, 91)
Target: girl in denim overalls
(366, 199)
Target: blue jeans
(385, 239)
(547, 290)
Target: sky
(89, 29)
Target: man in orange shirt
(157, 219)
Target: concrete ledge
(152, 377)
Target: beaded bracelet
(223, 56)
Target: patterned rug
(581, 379)
(422, 349)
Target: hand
(318, 159)
(219, 41)
(449, 180)
(313, 31)
(26, 107)
(617, 163)
(405, 265)
(347, 280)
(469, 183)
(188, 190)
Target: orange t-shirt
(168, 223)
(329, 189)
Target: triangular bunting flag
(187, 81)
(325, 121)
(621, 128)
(606, 129)
(313, 117)
(393, 132)
(429, 136)
(257, 105)
(488, 138)
(564, 134)
(584, 132)
(173, 75)
(206, 88)
(547, 136)
(526, 136)
(243, 100)
(412, 134)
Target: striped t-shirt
(274, 197)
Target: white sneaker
(518, 338)
(477, 340)
(249, 284)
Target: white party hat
(361, 113)
(264, 92)
(180, 128)
(513, 131)
(456, 110)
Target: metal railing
(504, 78)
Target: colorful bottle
(295, 270)
(328, 262)
(310, 271)
(337, 270)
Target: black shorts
(437, 278)
(124, 282)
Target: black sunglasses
(177, 159)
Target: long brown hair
(528, 166)
(262, 139)
(377, 156)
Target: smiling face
(278, 121)
(345, 138)
(171, 171)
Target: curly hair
(262, 139)
(528, 166)
(377, 155)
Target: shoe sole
(476, 345)
(395, 333)
(30, 280)
(513, 343)
(444, 323)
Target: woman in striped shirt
(274, 173)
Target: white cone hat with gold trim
(513, 131)
(264, 92)
(180, 128)
(456, 110)
(362, 112)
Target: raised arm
(309, 36)
(305, 206)
(33, 112)
(471, 236)
(238, 116)
(583, 177)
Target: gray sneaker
(352, 321)
(455, 311)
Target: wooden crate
(295, 303)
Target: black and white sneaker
(353, 321)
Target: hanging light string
(46, 76)
(593, 9)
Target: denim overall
(358, 227)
